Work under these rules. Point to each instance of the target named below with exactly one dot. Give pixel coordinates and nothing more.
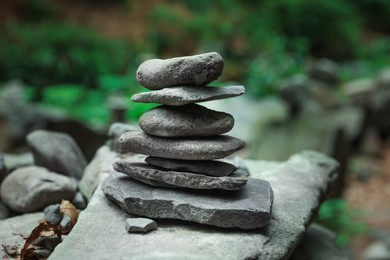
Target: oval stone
(211, 168)
(193, 70)
(179, 96)
(189, 148)
(188, 120)
(33, 188)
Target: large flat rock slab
(179, 96)
(248, 208)
(299, 185)
(189, 148)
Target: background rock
(115, 131)
(32, 188)
(58, 152)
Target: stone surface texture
(189, 148)
(211, 167)
(189, 70)
(299, 185)
(172, 179)
(188, 120)
(4, 211)
(143, 225)
(32, 188)
(248, 208)
(179, 96)
(57, 152)
(115, 131)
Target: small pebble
(140, 225)
(53, 214)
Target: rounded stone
(211, 168)
(189, 148)
(188, 120)
(140, 225)
(193, 70)
(32, 188)
(179, 96)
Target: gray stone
(15, 161)
(97, 169)
(143, 225)
(172, 179)
(189, 148)
(58, 152)
(78, 201)
(42, 253)
(188, 120)
(32, 188)
(115, 131)
(14, 230)
(53, 213)
(212, 168)
(299, 186)
(47, 242)
(377, 251)
(193, 70)
(3, 169)
(66, 224)
(248, 208)
(4, 211)
(178, 96)
(324, 70)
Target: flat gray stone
(137, 225)
(299, 186)
(179, 96)
(188, 70)
(57, 152)
(187, 120)
(211, 167)
(173, 179)
(248, 208)
(32, 188)
(189, 148)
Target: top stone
(196, 70)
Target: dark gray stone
(248, 208)
(53, 213)
(189, 148)
(299, 186)
(32, 188)
(211, 168)
(324, 70)
(3, 169)
(140, 225)
(79, 201)
(179, 96)
(58, 152)
(66, 223)
(193, 70)
(47, 242)
(4, 211)
(188, 120)
(172, 179)
(115, 131)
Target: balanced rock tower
(185, 174)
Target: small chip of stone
(140, 225)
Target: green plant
(337, 215)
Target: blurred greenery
(337, 215)
(261, 41)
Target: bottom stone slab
(248, 208)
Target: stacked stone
(184, 142)
(180, 136)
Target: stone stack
(183, 141)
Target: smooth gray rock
(211, 168)
(47, 242)
(179, 96)
(32, 188)
(3, 169)
(53, 214)
(189, 148)
(143, 225)
(173, 179)
(57, 152)
(188, 120)
(299, 186)
(377, 251)
(115, 131)
(248, 208)
(97, 169)
(79, 201)
(4, 211)
(14, 230)
(15, 161)
(193, 70)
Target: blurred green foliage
(337, 215)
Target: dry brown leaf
(11, 250)
(69, 209)
(28, 253)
